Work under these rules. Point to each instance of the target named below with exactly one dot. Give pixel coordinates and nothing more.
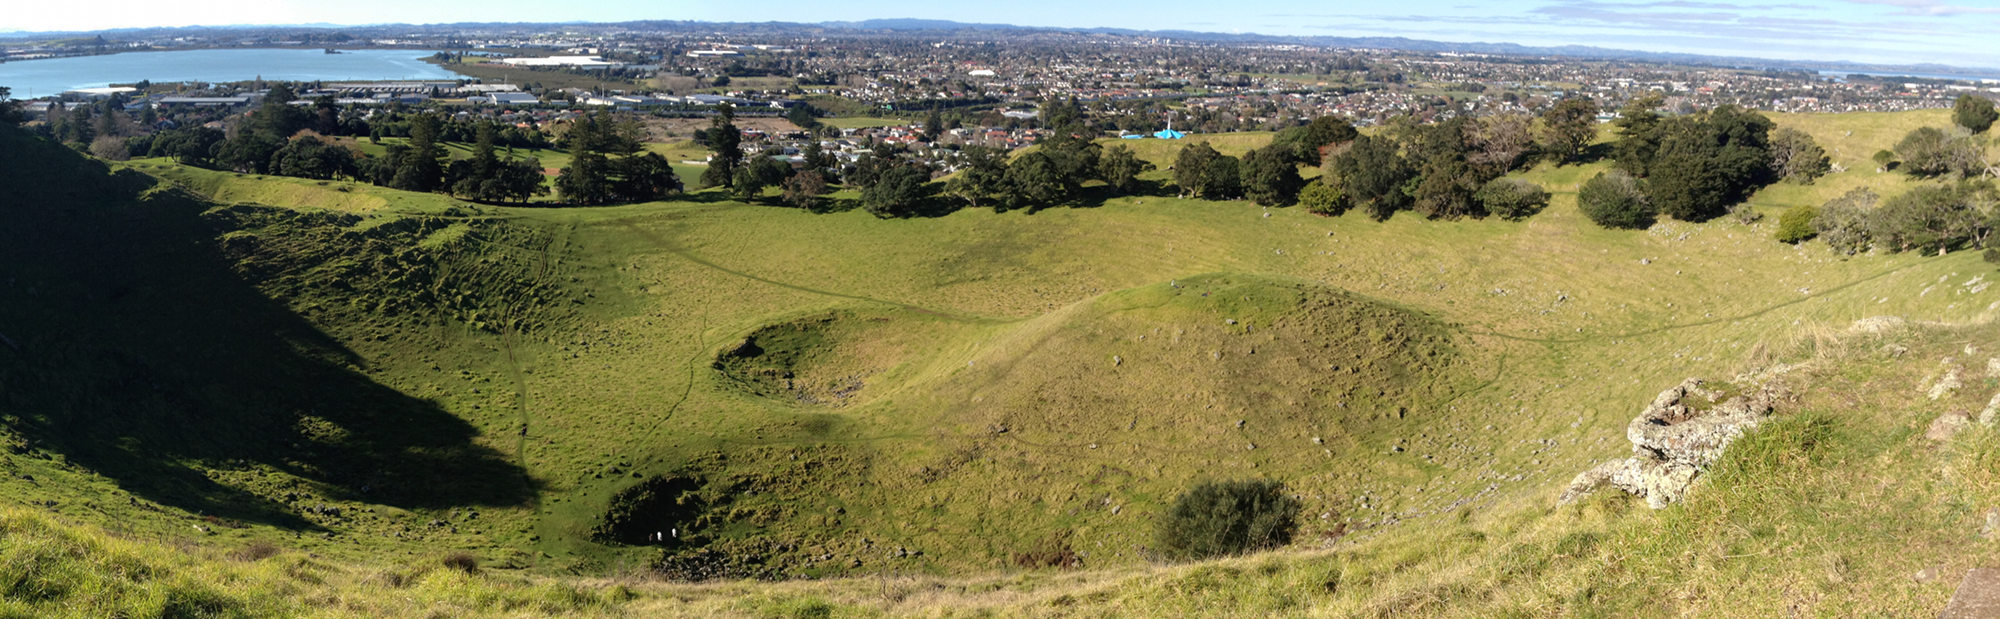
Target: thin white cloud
(1930, 7)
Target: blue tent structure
(1169, 133)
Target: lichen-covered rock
(1679, 435)
(1947, 384)
(1947, 426)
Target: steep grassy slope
(50, 567)
(1840, 506)
(789, 394)
(171, 364)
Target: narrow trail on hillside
(510, 337)
(687, 390)
(1689, 325)
(671, 247)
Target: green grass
(964, 387)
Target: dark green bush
(1228, 517)
(1616, 200)
(1512, 198)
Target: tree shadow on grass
(134, 350)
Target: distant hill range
(939, 26)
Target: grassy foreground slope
(380, 377)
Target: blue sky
(1959, 32)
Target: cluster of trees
(1930, 217)
(280, 139)
(1445, 170)
(607, 165)
(399, 124)
(10, 112)
(1442, 170)
(747, 177)
(103, 128)
(1694, 167)
(1268, 175)
(1931, 152)
(1051, 174)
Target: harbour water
(39, 78)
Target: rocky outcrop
(1679, 435)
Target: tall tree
(1709, 162)
(1371, 175)
(1120, 168)
(308, 157)
(1974, 112)
(423, 168)
(1223, 180)
(1638, 126)
(725, 141)
(816, 158)
(752, 177)
(1500, 143)
(1445, 182)
(897, 192)
(277, 116)
(1270, 177)
(1796, 157)
(1191, 165)
(1035, 180)
(10, 111)
(1568, 127)
(982, 175)
(1302, 144)
(485, 176)
(803, 117)
(804, 188)
(326, 115)
(644, 177)
(587, 180)
(933, 125)
(193, 146)
(249, 152)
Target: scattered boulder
(1991, 413)
(1991, 526)
(1978, 596)
(1947, 384)
(1679, 435)
(1948, 425)
(1926, 575)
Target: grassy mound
(825, 360)
(1206, 352)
